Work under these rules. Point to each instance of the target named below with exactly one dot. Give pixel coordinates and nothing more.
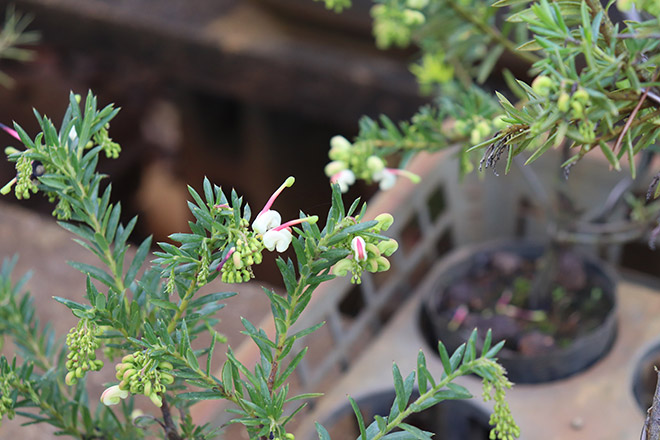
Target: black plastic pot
(449, 420)
(645, 377)
(559, 362)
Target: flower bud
(383, 264)
(335, 167)
(372, 249)
(417, 4)
(542, 85)
(375, 164)
(166, 378)
(384, 220)
(342, 267)
(339, 144)
(581, 96)
(113, 395)
(164, 365)
(388, 247)
(413, 18)
(70, 378)
(563, 102)
(156, 399)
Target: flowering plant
(145, 324)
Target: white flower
(385, 178)
(277, 239)
(266, 220)
(113, 395)
(359, 248)
(344, 179)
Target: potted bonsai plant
(587, 89)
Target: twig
(651, 429)
(633, 114)
(169, 426)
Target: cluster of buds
(236, 266)
(139, 374)
(82, 342)
(494, 388)
(575, 101)
(368, 253)
(477, 128)
(393, 25)
(101, 138)
(26, 170)
(6, 402)
(359, 161)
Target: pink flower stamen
(311, 220)
(224, 260)
(287, 183)
(11, 131)
(405, 173)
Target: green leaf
(610, 156)
(164, 304)
(200, 395)
(421, 377)
(322, 432)
(71, 304)
(455, 359)
(416, 432)
(444, 358)
(94, 272)
(360, 419)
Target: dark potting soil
(495, 293)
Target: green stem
(464, 369)
(183, 305)
(494, 34)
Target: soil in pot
(489, 288)
(449, 420)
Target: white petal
(345, 179)
(279, 240)
(267, 220)
(113, 395)
(386, 179)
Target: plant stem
(461, 371)
(651, 429)
(170, 427)
(492, 32)
(183, 305)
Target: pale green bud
(375, 164)
(581, 96)
(563, 102)
(335, 167)
(372, 249)
(388, 247)
(384, 220)
(542, 85)
(164, 365)
(342, 267)
(339, 142)
(417, 4)
(383, 264)
(70, 378)
(413, 18)
(155, 398)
